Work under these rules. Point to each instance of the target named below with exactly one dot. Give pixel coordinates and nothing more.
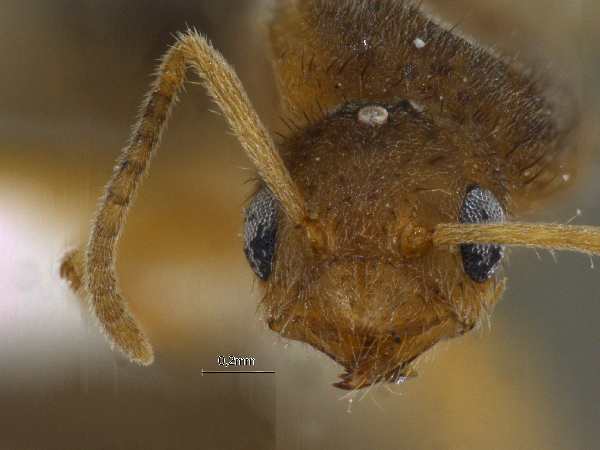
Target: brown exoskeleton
(380, 222)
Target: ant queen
(380, 221)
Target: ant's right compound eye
(260, 233)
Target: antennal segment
(583, 239)
(223, 85)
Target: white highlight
(417, 106)
(373, 115)
(419, 43)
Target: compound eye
(480, 262)
(260, 233)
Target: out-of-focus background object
(72, 76)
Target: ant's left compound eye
(481, 206)
(260, 233)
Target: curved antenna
(223, 85)
(583, 239)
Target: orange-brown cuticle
(317, 235)
(412, 240)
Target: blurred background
(73, 73)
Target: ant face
(377, 294)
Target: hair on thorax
(381, 219)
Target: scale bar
(237, 371)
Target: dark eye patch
(260, 233)
(480, 262)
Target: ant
(380, 221)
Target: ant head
(357, 287)
(395, 242)
(378, 228)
